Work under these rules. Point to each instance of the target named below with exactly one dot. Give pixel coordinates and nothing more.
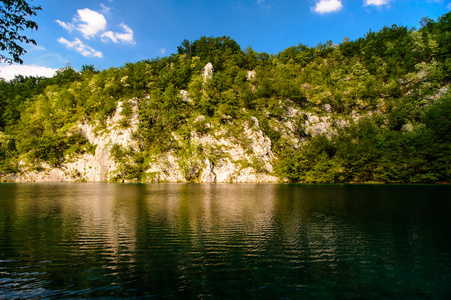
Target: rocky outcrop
(95, 167)
(207, 72)
(223, 159)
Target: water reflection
(223, 241)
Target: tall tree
(14, 18)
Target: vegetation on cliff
(381, 105)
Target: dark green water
(187, 241)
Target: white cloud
(8, 72)
(68, 26)
(376, 2)
(163, 51)
(327, 6)
(105, 9)
(259, 2)
(91, 24)
(88, 22)
(449, 6)
(81, 48)
(115, 37)
(37, 48)
(91, 21)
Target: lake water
(224, 241)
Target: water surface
(223, 241)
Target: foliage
(13, 20)
(367, 152)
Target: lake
(224, 241)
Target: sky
(110, 33)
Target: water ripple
(221, 242)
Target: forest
(385, 95)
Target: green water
(243, 241)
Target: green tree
(88, 68)
(14, 16)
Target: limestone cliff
(222, 159)
(214, 155)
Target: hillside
(377, 109)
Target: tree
(13, 20)
(185, 48)
(88, 68)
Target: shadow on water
(220, 241)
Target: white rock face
(114, 135)
(206, 167)
(222, 159)
(229, 168)
(95, 168)
(251, 75)
(317, 125)
(208, 173)
(165, 169)
(185, 96)
(207, 72)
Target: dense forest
(385, 98)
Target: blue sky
(110, 33)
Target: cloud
(38, 55)
(37, 48)
(105, 9)
(87, 21)
(327, 6)
(263, 4)
(115, 37)
(81, 48)
(449, 6)
(163, 51)
(68, 26)
(376, 2)
(91, 22)
(8, 72)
